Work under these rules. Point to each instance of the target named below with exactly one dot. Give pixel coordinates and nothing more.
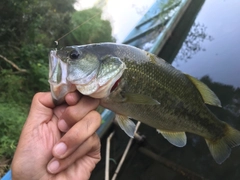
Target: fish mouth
(95, 80)
(59, 84)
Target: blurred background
(199, 37)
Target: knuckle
(94, 141)
(96, 145)
(76, 136)
(73, 98)
(37, 96)
(69, 113)
(93, 121)
(96, 117)
(91, 101)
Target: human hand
(58, 142)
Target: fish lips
(95, 78)
(66, 76)
(59, 84)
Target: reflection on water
(221, 58)
(213, 47)
(229, 97)
(193, 42)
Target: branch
(15, 47)
(175, 167)
(13, 64)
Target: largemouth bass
(136, 84)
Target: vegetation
(27, 33)
(94, 30)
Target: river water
(210, 52)
(218, 55)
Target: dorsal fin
(209, 97)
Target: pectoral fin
(209, 97)
(178, 139)
(126, 124)
(140, 99)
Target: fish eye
(74, 54)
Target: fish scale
(159, 113)
(182, 116)
(134, 83)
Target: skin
(58, 142)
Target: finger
(77, 135)
(72, 98)
(42, 100)
(45, 98)
(73, 114)
(91, 148)
(41, 108)
(63, 126)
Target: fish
(136, 84)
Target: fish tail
(221, 148)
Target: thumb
(41, 108)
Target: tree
(89, 31)
(27, 33)
(28, 29)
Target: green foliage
(11, 87)
(92, 31)
(11, 122)
(24, 22)
(18, 87)
(27, 33)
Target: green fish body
(136, 84)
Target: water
(219, 57)
(211, 53)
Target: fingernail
(60, 149)
(53, 166)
